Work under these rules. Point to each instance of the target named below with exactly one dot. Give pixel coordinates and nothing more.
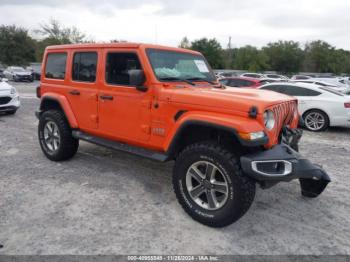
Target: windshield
(173, 66)
(18, 69)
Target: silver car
(16, 74)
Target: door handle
(106, 97)
(74, 92)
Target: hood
(238, 99)
(4, 86)
(22, 73)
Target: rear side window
(272, 88)
(56, 66)
(118, 66)
(84, 67)
(299, 91)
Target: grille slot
(5, 100)
(284, 113)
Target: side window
(224, 81)
(247, 83)
(273, 88)
(234, 83)
(118, 66)
(299, 91)
(56, 66)
(84, 67)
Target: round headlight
(269, 119)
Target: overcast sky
(166, 22)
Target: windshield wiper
(177, 79)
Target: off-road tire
(68, 144)
(241, 188)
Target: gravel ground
(107, 202)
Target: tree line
(286, 57)
(19, 47)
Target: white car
(253, 75)
(16, 73)
(276, 77)
(9, 98)
(320, 107)
(338, 87)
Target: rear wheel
(316, 120)
(55, 136)
(210, 185)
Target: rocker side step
(120, 146)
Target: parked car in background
(16, 73)
(319, 106)
(277, 77)
(253, 75)
(35, 69)
(340, 88)
(242, 82)
(300, 77)
(9, 98)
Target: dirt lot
(106, 202)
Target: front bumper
(13, 104)
(282, 163)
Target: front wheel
(210, 185)
(55, 136)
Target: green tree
(284, 56)
(63, 35)
(211, 49)
(185, 43)
(319, 56)
(16, 46)
(249, 58)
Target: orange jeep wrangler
(165, 104)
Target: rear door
(82, 87)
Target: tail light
(347, 105)
(38, 92)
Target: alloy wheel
(52, 137)
(206, 185)
(315, 121)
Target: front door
(124, 112)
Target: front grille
(5, 100)
(284, 113)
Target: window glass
(84, 67)
(235, 83)
(224, 81)
(175, 66)
(299, 91)
(272, 88)
(247, 83)
(118, 66)
(56, 65)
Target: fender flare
(63, 102)
(230, 124)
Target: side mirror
(137, 78)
